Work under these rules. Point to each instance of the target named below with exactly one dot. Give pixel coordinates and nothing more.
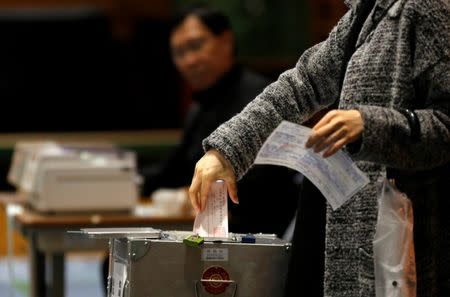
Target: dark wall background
(104, 65)
(62, 70)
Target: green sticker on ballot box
(193, 240)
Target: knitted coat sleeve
(387, 129)
(390, 132)
(298, 93)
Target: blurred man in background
(204, 52)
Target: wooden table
(49, 240)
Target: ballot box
(146, 262)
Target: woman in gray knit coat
(385, 67)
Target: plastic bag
(395, 269)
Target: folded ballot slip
(337, 177)
(213, 220)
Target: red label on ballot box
(214, 280)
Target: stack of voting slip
(77, 177)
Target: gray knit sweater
(401, 60)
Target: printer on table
(75, 177)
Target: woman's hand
(211, 167)
(336, 129)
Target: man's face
(200, 56)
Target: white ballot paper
(337, 177)
(213, 220)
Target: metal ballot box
(154, 263)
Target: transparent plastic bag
(395, 269)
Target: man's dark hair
(215, 20)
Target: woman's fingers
(323, 128)
(194, 190)
(206, 185)
(232, 190)
(330, 138)
(334, 130)
(334, 148)
(210, 168)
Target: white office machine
(77, 177)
